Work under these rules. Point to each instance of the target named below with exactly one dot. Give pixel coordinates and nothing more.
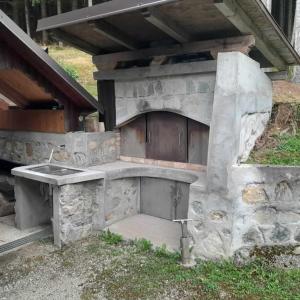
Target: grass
(108, 267)
(78, 64)
(111, 238)
(141, 272)
(286, 153)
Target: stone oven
(183, 84)
(166, 117)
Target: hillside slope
(78, 63)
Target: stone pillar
(241, 109)
(78, 210)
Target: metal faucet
(61, 147)
(186, 259)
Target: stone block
(253, 194)
(253, 237)
(280, 234)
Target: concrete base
(9, 233)
(156, 230)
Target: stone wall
(262, 208)
(242, 107)
(266, 206)
(212, 226)
(122, 199)
(188, 95)
(78, 149)
(78, 211)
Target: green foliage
(151, 274)
(286, 153)
(290, 144)
(111, 238)
(143, 245)
(71, 71)
(164, 253)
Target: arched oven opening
(166, 136)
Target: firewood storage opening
(165, 136)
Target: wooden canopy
(31, 79)
(110, 29)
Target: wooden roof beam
(240, 43)
(166, 25)
(12, 95)
(72, 40)
(98, 11)
(234, 13)
(114, 34)
(3, 104)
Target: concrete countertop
(84, 175)
(121, 169)
(111, 171)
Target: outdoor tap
(186, 259)
(61, 147)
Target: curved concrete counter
(120, 169)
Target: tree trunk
(27, 17)
(74, 4)
(44, 15)
(59, 11)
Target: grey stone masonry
(78, 210)
(266, 206)
(122, 199)
(79, 149)
(241, 109)
(190, 95)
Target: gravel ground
(93, 269)
(39, 271)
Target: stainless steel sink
(55, 170)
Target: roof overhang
(41, 62)
(121, 25)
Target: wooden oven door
(166, 137)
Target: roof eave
(47, 61)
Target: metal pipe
(185, 240)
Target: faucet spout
(61, 147)
(51, 155)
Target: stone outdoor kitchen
(185, 90)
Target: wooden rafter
(12, 95)
(72, 40)
(235, 14)
(241, 43)
(114, 34)
(166, 25)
